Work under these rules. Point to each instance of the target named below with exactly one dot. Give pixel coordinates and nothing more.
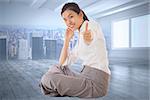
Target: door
(2, 49)
(50, 49)
(37, 47)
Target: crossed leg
(65, 83)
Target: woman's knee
(43, 79)
(55, 69)
(47, 78)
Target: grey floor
(19, 80)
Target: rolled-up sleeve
(99, 32)
(72, 57)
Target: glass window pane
(139, 31)
(120, 34)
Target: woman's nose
(69, 23)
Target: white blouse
(93, 54)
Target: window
(131, 32)
(120, 34)
(139, 31)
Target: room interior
(32, 36)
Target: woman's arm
(64, 52)
(87, 35)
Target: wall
(133, 54)
(19, 21)
(22, 15)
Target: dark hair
(74, 7)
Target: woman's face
(72, 19)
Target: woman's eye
(71, 17)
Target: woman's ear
(81, 14)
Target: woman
(94, 77)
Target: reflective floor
(19, 80)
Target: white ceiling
(94, 8)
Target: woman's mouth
(71, 26)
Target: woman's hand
(69, 33)
(87, 35)
(64, 52)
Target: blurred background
(32, 35)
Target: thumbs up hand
(87, 35)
